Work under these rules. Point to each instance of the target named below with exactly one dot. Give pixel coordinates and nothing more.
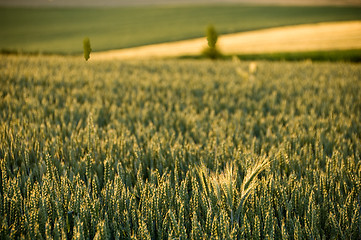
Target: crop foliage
(179, 149)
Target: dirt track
(308, 37)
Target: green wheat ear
(87, 48)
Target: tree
(87, 48)
(212, 51)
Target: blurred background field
(332, 41)
(61, 30)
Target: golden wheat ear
(249, 182)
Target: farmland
(328, 41)
(61, 30)
(129, 148)
(186, 149)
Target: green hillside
(61, 30)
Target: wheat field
(179, 149)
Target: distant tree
(87, 48)
(212, 37)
